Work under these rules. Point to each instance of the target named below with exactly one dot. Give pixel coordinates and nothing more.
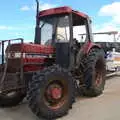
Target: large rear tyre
(51, 92)
(94, 72)
(11, 98)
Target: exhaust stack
(37, 39)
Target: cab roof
(61, 10)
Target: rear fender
(84, 51)
(88, 46)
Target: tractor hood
(31, 54)
(30, 48)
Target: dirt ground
(104, 107)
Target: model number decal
(13, 55)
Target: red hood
(31, 48)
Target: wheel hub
(99, 69)
(56, 93)
(98, 79)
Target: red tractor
(51, 70)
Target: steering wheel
(48, 42)
(63, 38)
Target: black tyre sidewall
(38, 102)
(89, 73)
(9, 101)
(66, 104)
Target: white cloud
(25, 8)
(42, 6)
(3, 27)
(113, 24)
(105, 27)
(112, 10)
(116, 19)
(109, 26)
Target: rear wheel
(51, 92)
(11, 98)
(94, 72)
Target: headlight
(14, 55)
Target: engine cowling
(32, 56)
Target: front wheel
(51, 92)
(94, 72)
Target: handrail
(11, 40)
(5, 69)
(6, 65)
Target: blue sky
(17, 17)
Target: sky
(17, 17)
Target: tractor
(51, 71)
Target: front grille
(14, 65)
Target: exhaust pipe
(37, 39)
(37, 10)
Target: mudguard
(88, 46)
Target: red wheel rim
(98, 80)
(99, 69)
(55, 94)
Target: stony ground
(104, 107)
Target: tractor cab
(60, 27)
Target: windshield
(54, 28)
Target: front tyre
(94, 72)
(51, 92)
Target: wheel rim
(98, 80)
(55, 94)
(99, 71)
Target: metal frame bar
(3, 53)
(71, 64)
(6, 65)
